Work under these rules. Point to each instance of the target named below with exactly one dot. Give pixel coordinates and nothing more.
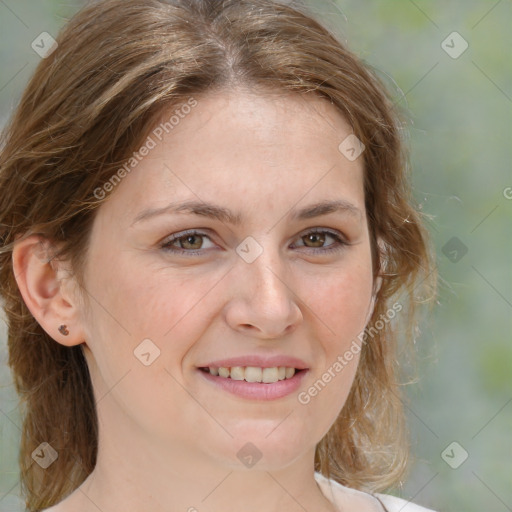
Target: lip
(255, 390)
(258, 361)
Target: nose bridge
(264, 263)
(271, 279)
(264, 287)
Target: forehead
(244, 148)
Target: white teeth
(254, 373)
(223, 372)
(290, 372)
(237, 373)
(269, 375)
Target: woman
(208, 242)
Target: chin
(266, 449)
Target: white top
(338, 495)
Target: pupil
(318, 236)
(190, 240)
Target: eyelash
(340, 242)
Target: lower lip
(256, 390)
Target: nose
(263, 298)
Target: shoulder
(338, 494)
(394, 504)
(62, 506)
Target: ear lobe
(378, 280)
(376, 287)
(44, 290)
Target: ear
(48, 289)
(376, 287)
(377, 283)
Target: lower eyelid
(338, 239)
(170, 241)
(339, 242)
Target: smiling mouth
(253, 373)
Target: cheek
(136, 302)
(340, 302)
(340, 308)
(131, 305)
(323, 397)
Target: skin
(168, 439)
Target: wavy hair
(89, 105)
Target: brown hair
(118, 66)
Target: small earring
(63, 330)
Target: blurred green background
(459, 104)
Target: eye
(190, 243)
(318, 237)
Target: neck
(146, 467)
(159, 480)
(147, 474)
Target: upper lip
(258, 361)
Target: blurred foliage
(460, 126)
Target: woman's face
(244, 282)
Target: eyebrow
(225, 215)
